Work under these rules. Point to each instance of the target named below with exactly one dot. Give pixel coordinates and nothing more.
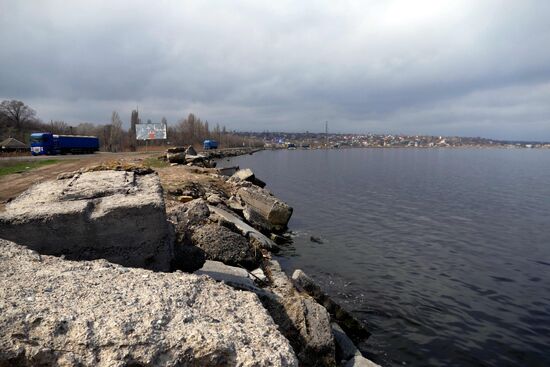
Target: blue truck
(210, 144)
(51, 144)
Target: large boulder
(274, 212)
(55, 312)
(114, 215)
(221, 244)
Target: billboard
(150, 131)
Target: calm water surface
(445, 254)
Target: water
(445, 254)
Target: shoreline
(217, 226)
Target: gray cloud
(459, 68)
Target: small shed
(13, 145)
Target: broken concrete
(246, 175)
(304, 322)
(114, 215)
(352, 326)
(254, 235)
(55, 312)
(274, 212)
(231, 275)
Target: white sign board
(150, 131)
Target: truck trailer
(51, 144)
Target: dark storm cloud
(465, 68)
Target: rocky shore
(118, 265)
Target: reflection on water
(444, 253)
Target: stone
(273, 211)
(233, 276)
(353, 327)
(190, 151)
(191, 213)
(188, 258)
(176, 157)
(114, 215)
(228, 171)
(214, 199)
(259, 239)
(360, 361)
(247, 175)
(345, 349)
(221, 244)
(259, 274)
(55, 312)
(304, 322)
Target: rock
(258, 238)
(176, 150)
(221, 244)
(62, 313)
(233, 276)
(188, 258)
(192, 213)
(190, 151)
(114, 215)
(272, 210)
(304, 322)
(247, 175)
(228, 171)
(315, 239)
(259, 274)
(353, 327)
(360, 361)
(214, 199)
(176, 157)
(345, 349)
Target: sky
(467, 68)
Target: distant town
(309, 140)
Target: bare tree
(17, 112)
(115, 136)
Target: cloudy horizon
(463, 68)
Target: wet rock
(221, 244)
(273, 212)
(114, 215)
(315, 239)
(353, 327)
(345, 349)
(62, 313)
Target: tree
(115, 136)
(17, 113)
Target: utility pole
(326, 134)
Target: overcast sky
(470, 68)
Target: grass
(20, 167)
(154, 162)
